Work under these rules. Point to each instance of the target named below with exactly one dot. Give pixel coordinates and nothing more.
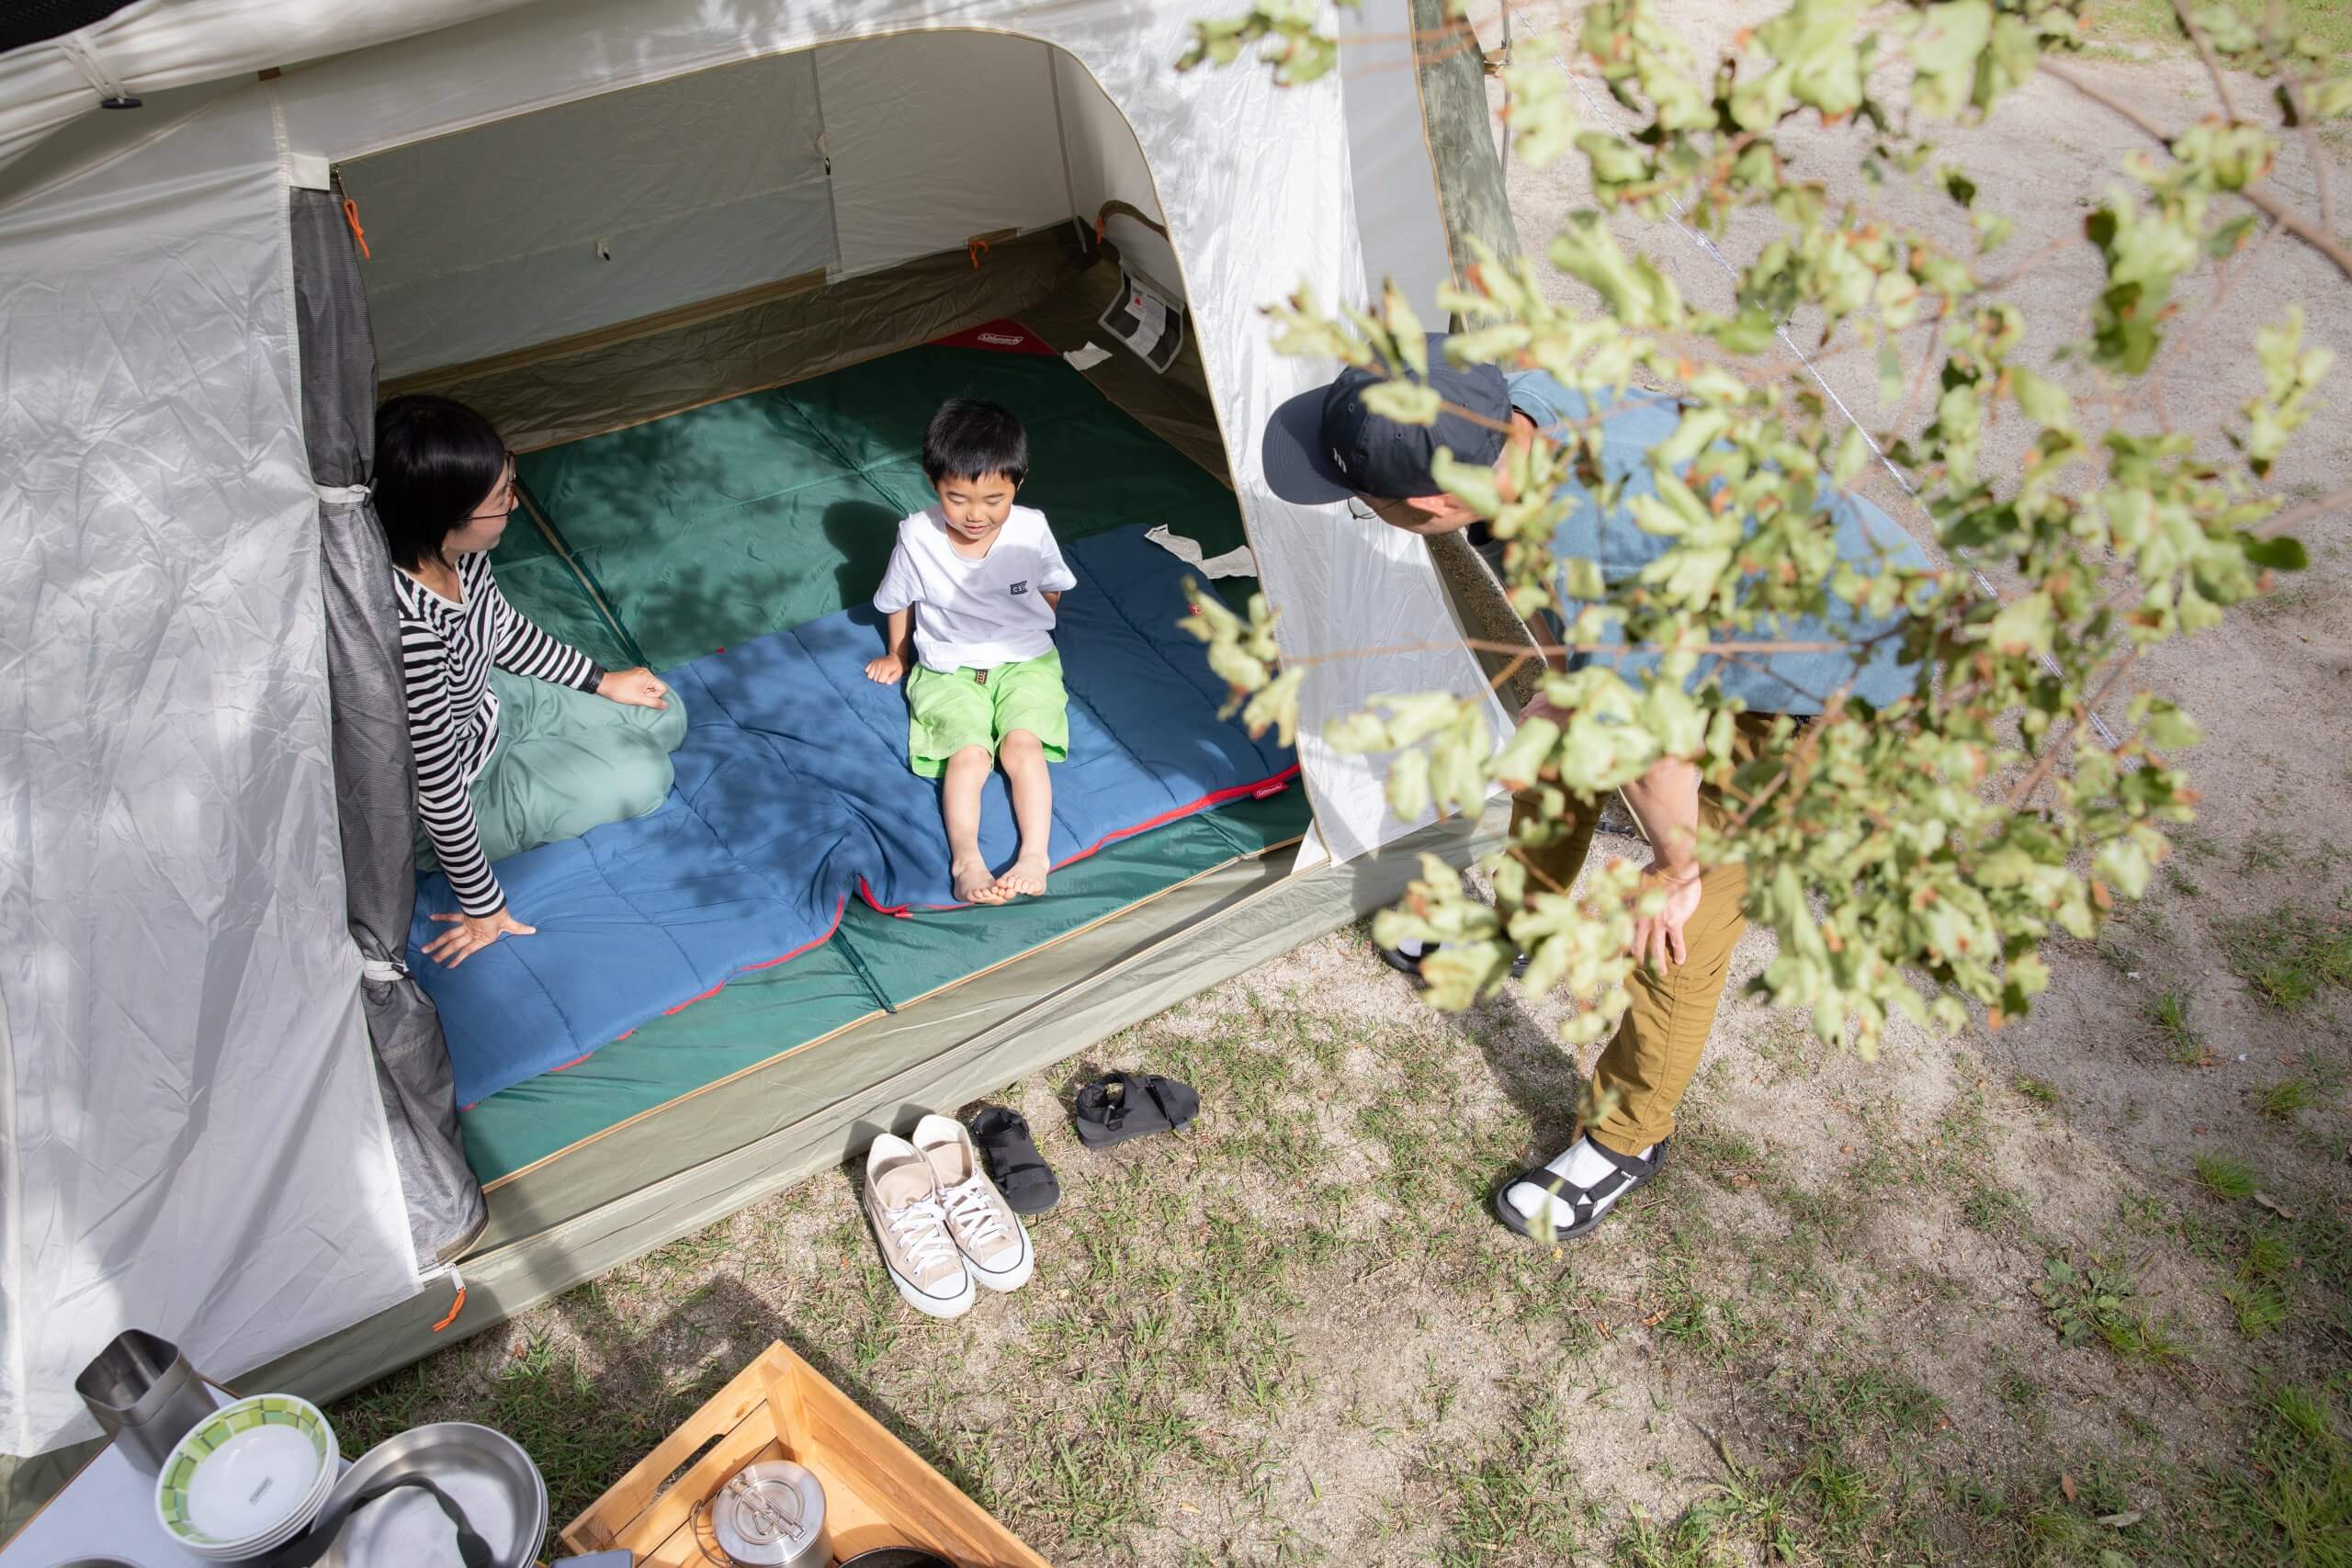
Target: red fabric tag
(997, 337)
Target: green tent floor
(665, 541)
(739, 518)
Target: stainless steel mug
(146, 1396)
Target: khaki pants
(1658, 1045)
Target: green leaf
(1853, 456)
(2284, 553)
(1356, 733)
(1950, 37)
(1750, 331)
(1521, 760)
(1396, 314)
(1275, 707)
(2123, 865)
(2227, 238)
(2169, 728)
(2325, 100)
(1615, 162)
(1408, 784)
(2024, 626)
(2225, 29)
(1472, 484)
(1634, 291)
(2044, 402)
(1407, 402)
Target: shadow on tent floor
(660, 542)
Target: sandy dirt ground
(1972, 1303)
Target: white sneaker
(990, 1236)
(902, 1204)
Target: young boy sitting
(976, 579)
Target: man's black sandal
(1409, 964)
(1019, 1171)
(1591, 1204)
(1120, 1106)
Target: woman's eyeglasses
(502, 500)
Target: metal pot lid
(771, 1512)
(486, 1474)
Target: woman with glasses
(520, 740)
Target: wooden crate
(877, 1492)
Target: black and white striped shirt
(445, 654)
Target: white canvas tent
(218, 1113)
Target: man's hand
(634, 688)
(1657, 939)
(469, 935)
(1413, 519)
(888, 670)
(1665, 802)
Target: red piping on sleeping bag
(1263, 789)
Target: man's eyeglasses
(1380, 511)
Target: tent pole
(1450, 70)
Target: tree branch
(2205, 51)
(2295, 516)
(1483, 645)
(2262, 197)
(2315, 152)
(2058, 747)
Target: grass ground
(2153, 21)
(1291, 1335)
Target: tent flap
(192, 1140)
(376, 811)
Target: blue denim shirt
(1780, 683)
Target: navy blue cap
(1324, 445)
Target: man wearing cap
(1325, 445)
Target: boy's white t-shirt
(975, 613)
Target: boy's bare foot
(973, 883)
(1026, 874)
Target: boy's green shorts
(947, 712)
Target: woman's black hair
(970, 440)
(436, 460)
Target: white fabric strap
(77, 48)
(1237, 562)
(342, 495)
(382, 971)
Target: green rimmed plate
(247, 1474)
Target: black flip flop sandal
(1593, 1205)
(1019, 1171)
(1410, 964)
(1120, 1106)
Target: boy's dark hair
(970, 440)
(435, 461)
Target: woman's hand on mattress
(469, 935)
(890, 668)
(634, 688)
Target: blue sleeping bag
(793, 793)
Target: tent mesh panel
(30, 22)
